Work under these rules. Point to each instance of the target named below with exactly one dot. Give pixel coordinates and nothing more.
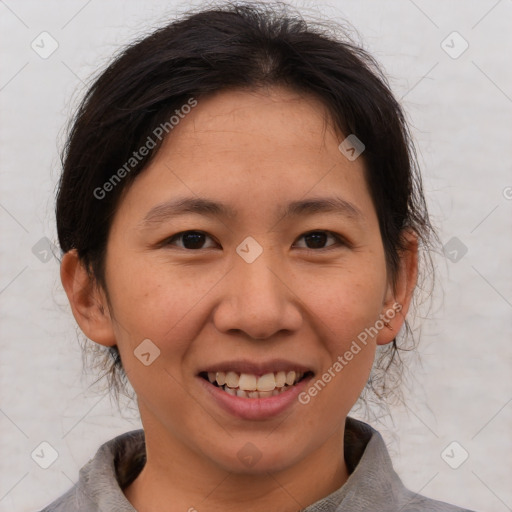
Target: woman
(240, 215)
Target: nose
(258, 301)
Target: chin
(251, 460)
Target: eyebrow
(209, 208)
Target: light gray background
(461, 113)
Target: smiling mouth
(247, 385)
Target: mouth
(256, 385)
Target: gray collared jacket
(373, 485)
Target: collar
(372, 485)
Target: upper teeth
(250, 382)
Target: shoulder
(102, 479)
(66, 503)
(419, 503)
(373, 483)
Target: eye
(195, 240)
(190, 240)
(317, 239)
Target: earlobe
(399, 296)
(87, 301)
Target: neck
(192, 483)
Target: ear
(88, 302)
(398, 297)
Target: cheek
(344, 306)
(343, 316)
(344, 300)
(155, 303)
(164, 303)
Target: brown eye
(192, 240)
(318, 239)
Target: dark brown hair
(249, 46)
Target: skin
(255, 151)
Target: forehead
(252, 149)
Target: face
(250, 246)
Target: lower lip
(255, 408)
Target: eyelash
(340, 241)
